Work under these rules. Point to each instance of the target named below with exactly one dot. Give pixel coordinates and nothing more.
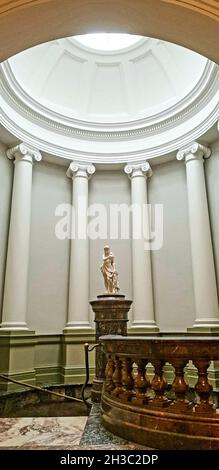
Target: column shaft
(143, 304)
(78, 308)
(16, 278)
(204, 279)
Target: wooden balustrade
(145, 411)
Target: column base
(205, 326)
(14, 326)
(78, 326)
(143, 328)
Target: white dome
(144, 97)
(108, 86)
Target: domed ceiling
(106, 86)
(141, 95)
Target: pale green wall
(172, 270)
(49, 257)
(111, 187)
(6, 177)
(212, 180)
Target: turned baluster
(109, 385)
(180, 387)
(158, 385)
(203, 388)
(117, 378)
(127, 379)
(141, 383)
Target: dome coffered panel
(106, 87)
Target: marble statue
(110, 275)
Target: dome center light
(107, 41)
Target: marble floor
(41, 433)
(64, 433)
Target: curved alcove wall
(49, 257)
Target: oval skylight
(107, 41)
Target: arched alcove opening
(194, 25)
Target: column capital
(82, 170)
(138, 169)
(194, 151)
(25, 153)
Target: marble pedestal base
(111, 317)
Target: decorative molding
(25, 153)
(16, 96)
(205, 7)
(76, 170)
(139, 169)
(147, 141)
(12, 5)
(48, 374)
(193, 152)
(75, 375)
(158, 150)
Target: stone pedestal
(111, 317)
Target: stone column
(204, 279)
(14, 315)
(143, 305)
(78, 308)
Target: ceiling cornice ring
(109, 158)
(206, 87)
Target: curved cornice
(185, 109)
(111, 157)
(206, 7)
(11, 5)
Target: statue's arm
(105, 258)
